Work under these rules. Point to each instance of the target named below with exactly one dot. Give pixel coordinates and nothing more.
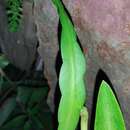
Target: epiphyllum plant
(108, 114)
(71, 74)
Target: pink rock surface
(47, 24)
(111, 18)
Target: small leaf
(37, 123)
(6, 109)
(27, 126)
(16, 122)
(108, 113)
(3, 61)
(24, 94)
(37, 95)
(4, 84)
(34, 111)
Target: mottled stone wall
(103, 28)
(47, 26)
(19, 47)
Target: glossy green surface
(71, 74)
(108, 113)
(84, 118)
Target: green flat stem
(84, 119)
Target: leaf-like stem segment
(71, 79)
(84, 119)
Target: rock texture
(103, 28)
(19, 47)
(47, 26)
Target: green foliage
(24, 94)
(23, 109)
(3, 61)
(27, 125)
(108, 113)
(37, 95)
(30, 104)
(71, 74)
(14, 13)
(6, 109)
(23, 103)
(15, 123)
